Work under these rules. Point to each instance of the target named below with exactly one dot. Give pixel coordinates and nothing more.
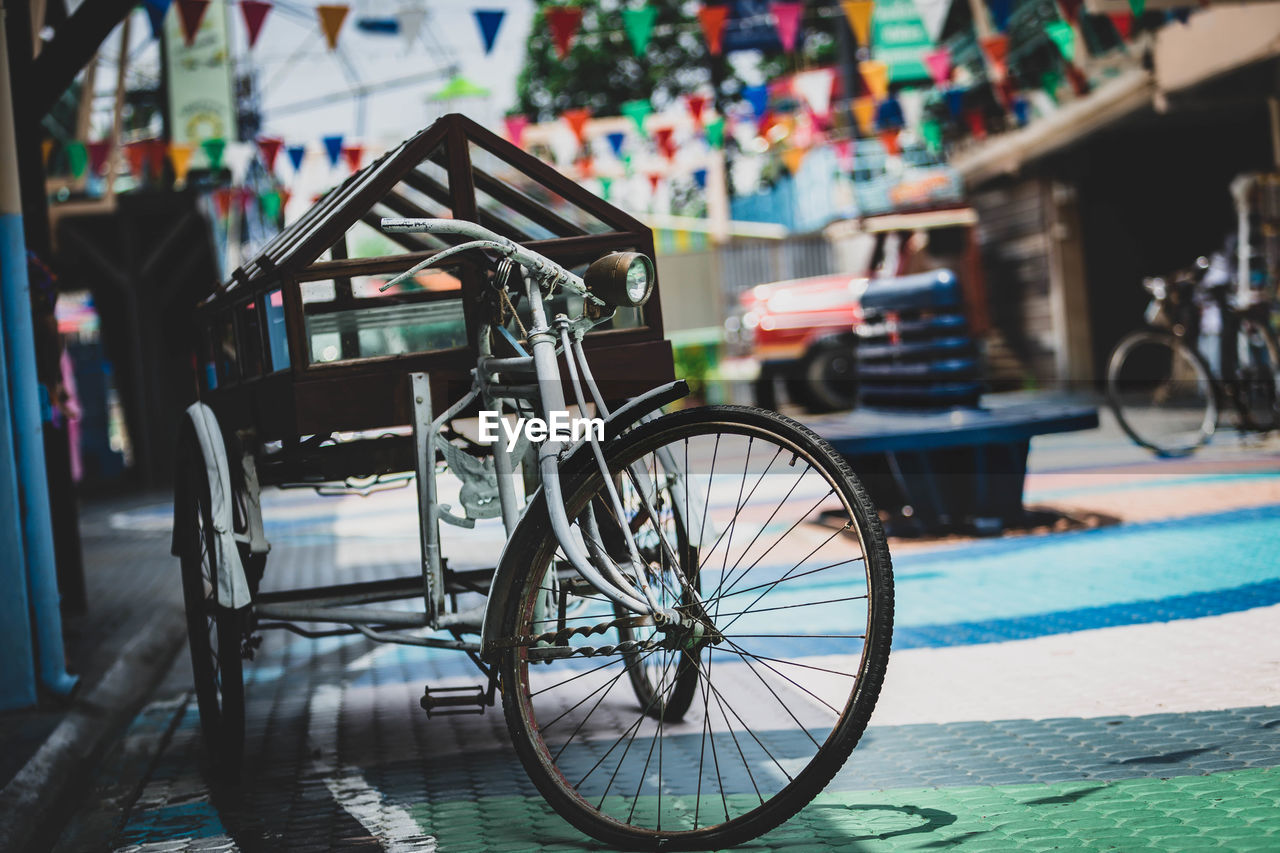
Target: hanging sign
(201, 105)
(899, 39)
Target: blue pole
(24, 408)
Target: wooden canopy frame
(283, 401)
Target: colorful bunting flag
(237, 158)
(638, 24)
(712, 20)
(296, 153)
(213, 149)
(332, 16)
(410, 19)
(333, 148)
(815, 87)
(254, 13)
(489, 20)
(269, 204)
(889, 139)
(1071, 9)
(931, 131)
(938, 63)
(606, 184)
(793, 159)
(136, 154)
(191, 15)
(98, 151)
(269, 147)
(1138, 7)
(977, 124)
(1123, 22)
(997, 49)
(577, 120)
(864, 113)
(662, 137)
(697, 105)
(157, 150)
(955, 101)
(353, 154)
(714, 131)
(1049, 82)
(786, 20)
(889, 114)
(638, 110)
(515, 126)
(876, 75)
(563, 22)
(844, 154)
(180, 157)
(700, 178)
(654, 178)
(858, 14)
(156, 10)
(222, 201)
(1064, 37)
(758, 98)
(912, 103)
(1021, 110)
(1000, 11)
(616, 139)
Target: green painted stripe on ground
(1236, 811)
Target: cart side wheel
(214, 632)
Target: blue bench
(934, 452)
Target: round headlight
(622, 279)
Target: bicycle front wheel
(785, 592)
(1161, 393)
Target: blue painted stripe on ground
(1034, 495)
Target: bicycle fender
(535, 523)
(233, 585)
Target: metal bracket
(424, 445)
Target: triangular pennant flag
(577, 120)
(844, 154)
(269, 147)
(515, 129)
(222, 201)
(180, 157)
(1138, 7)
(295, 154)
(136, 154)
(1000, 10)
(98, 152)
(996, 48)
(815, 87)
(254, 13)
(1049, 82)
(977, 124)
(586, 168)
(1123, 22)
(700, 178)
(410, 20)
(1061, 34)
(616, 139)
(333, 148)
(697, 105)
(712, 20)
(889, 114)
(606, 184)
(638, 24)
(637, 110)
(955, 102)
(864, 112)
(353, 154)
(213, 150)
(912, 102)
(654, 178)
(939, 64)
(1079, 82)
(758, 98)
(1071, 9)
(237, 159)
(714, 130)
(191, 14)
(489, 20)
(786, 20)
(858, 14)
(793, 158)
(332, 16)
(157, 150)
(662, 137)
(156, 10)
(1021, 110)
(876, 75)
(1181, 15)
(889, 139)
(931, 131)
(563, 22)
(285, 195)
(269, 204)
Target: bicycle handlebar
(543, 268)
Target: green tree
(602, 71)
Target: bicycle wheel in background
(1259, 379)
(1162, 393)
(789, 642)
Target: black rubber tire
(515, 590)
(829, 374)
(1115, 365)
(214, 632)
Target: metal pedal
(448, 701)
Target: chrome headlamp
(622, 279)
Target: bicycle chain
(556, 647)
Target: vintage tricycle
(721, 564)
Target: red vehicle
(802, 330)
